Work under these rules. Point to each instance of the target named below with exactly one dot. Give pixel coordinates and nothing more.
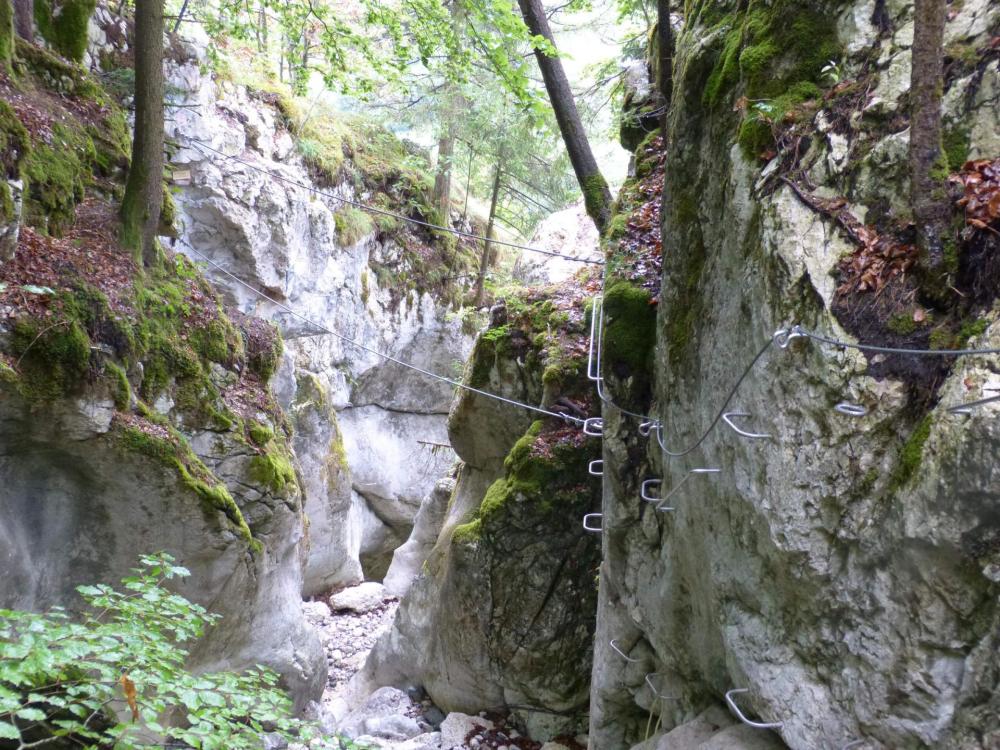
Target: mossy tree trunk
(484, 264)
(143, 199)
(596, 195)
(24, 19)
(6, 34)
(928, 165)
(442, 175)
(665, 59)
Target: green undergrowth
(772, 54)
(386, 173)
(542, 478)
(85, 141)
(542, 329)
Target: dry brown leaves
(981, 183)
(641, 248)
(876, 263)
(87, 252)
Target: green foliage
(63, 24)
(261, 434)
(59, 678)
(352, 224)
(956, 142)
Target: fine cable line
(384, 212)
(798, 331)
(388, 357)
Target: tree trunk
(144, 188)
(6, 34)
(24, 19)
(596, 195)
(442, 176)
(929, 171)
(665, 62)
(484, 265)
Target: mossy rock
(58, 174)
(629, 331)
(63, 24)
(352, 225)
(14, 143)
(273, 469)
(54, 358)
(174, 453)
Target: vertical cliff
(839, 568)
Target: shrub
(59, 678)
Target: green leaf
(32, 289)
(31, 714)
(8, 731)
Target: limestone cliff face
(503, 613)
(843, 570)
(245, 200)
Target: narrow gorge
(716, 476)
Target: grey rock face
(853, 598)
(281, 239)
(77, 508)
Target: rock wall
(839, 569)
(240, 202)
(503, 613)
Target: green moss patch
(170, 448)
(63, 24)
(911, 455)
(629, 330)
(54, 358)
(273, 470)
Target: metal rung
(967, 408)
(656, 692)
(728, 419)
(593, 426)
(596, 468)
(594, 362)
(622, 654)
(591, 528)
(644, 490)
(644, 493)
(851, 410)
(739, 714)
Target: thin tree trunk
(596, 195)
(929, 171)
(24, 19)
(480, 291)
(180, 16)
(442, 176)
(144, 187)
(468, 186)
(665, 62)
(6, 35)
